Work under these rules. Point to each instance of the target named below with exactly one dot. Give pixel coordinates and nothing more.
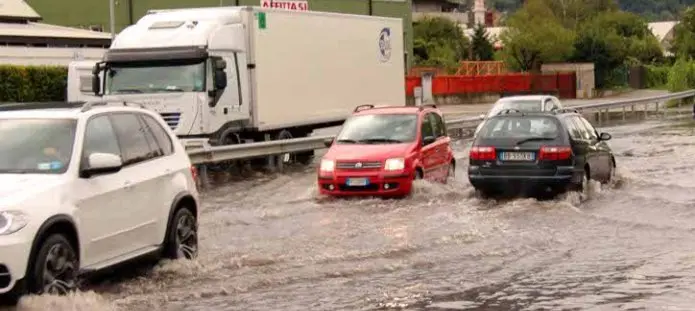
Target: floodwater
(272, 244)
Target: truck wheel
(302, 157)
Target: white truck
(241, 74)
(80, 81)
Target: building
(664, 32)
(24, 40)
(94, 14)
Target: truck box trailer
(240, 74)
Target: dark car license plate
(518, 156)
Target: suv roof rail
(508, 111)
(564, 110)
(90, 104)
(363, 107)
(423, 106)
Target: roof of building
(33, 29)
(661, 29)
(18, 9)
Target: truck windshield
(36, 146)
(154, 77)
(379, 129)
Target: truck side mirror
(220, 64)
(96, 84)
(220, 78)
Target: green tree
(572, 13)
(481, 47)
(684, 40)
(439, 42)
(610, 40)
(534, 35)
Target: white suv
(87, 187)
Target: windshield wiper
(380, 140)
(16, 171)
(347, 141)
(127, 91)
(167, 89)
(534, 139)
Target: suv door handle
(127, 185)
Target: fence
(562, 84)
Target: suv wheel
(54, 268)
(182, 238)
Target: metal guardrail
(204, 154)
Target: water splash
(77, 301)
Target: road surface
(271, 244)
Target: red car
(381, 150)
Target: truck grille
(358, 165)
(171, 118)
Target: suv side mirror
(428, 140)
(605, 136)
(220, 78)
(328, 142)
(101, 163)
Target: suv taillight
(482, 153)
(194, 173)
(555, 153)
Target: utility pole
(112, 18)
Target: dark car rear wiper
(346, 141)
(380, 140)
(534, 139)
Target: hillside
(653, 10)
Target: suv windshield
(40, 146)
(521, 105)
(379, 129)
(520, 127)
(169, 76)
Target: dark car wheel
(182, 238)
(54, 268)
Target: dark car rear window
(520, 127)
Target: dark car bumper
(501, 179)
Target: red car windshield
(379, 129)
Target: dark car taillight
(482, 153)
(552, 153)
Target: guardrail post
(599, 117)
(203, 176)
(624, 112)
(646, 111)
(270, 165)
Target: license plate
(518, 156)
(357, 182)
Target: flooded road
(270, 244)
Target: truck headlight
(394, 164)
(11, 222)
(327, 165)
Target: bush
(657, 76)
(32, 83)
(681, 77)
